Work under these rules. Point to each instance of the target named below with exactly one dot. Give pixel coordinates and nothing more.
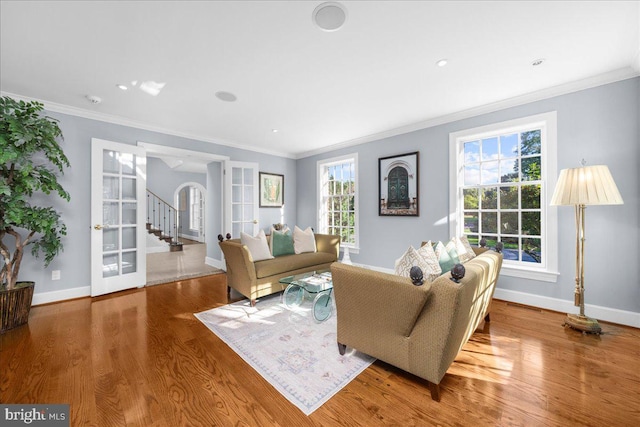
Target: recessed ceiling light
(329, 16)
(274, 130)
(122, 87)
(442, 62)
(226, 96)
(537, 62)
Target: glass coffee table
(314, 284)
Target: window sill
(530, 273)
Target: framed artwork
(398, 185)
(271, 190)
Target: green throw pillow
(282, 243)
(444, 259)
(453, 252)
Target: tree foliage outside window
(338, 200)
(502, 193)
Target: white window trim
(547, 122)
(321, 164)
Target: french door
(118, 245)
(241, 199)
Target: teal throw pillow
(444, 259)
(282, 243)
(453, 252)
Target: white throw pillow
(258, 247)
(412, 258)
(429, 255)
(465, 251)
(303, 241)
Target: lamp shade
(587, 185)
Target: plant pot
(15, 305)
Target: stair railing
(163, 217)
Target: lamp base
(583, 323)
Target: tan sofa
(419, 329)
(261, 278)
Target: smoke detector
(330, 16)
(94, 99)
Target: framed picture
(271, 190)
(398, 185)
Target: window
(195, 200)
(338, 199)
(502, 178)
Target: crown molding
(591, 82)
(117, 120)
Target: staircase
(162, 221)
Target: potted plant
(30, 159)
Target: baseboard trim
(56, 296)
(613, 315)
(215, 263)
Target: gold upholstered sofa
(419, 329)
(261, 278)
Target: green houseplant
(30, 158)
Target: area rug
(297, 355)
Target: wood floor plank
(140, 358)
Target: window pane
(110, 161)
(530, 196)
(490, 172)
(470, 222)
(472, 151)
(129, 263)
(509, 145)
(530, 142)
(490, 148)
(473, 239)
(509, 171)
(531, 169)
(489, 222)
(110, 187)
(128, 161)
(490, 198)
(531, 250)
(470, 198)
(509, 223)
(472, 175)
(531, 223)
(509, 197)
(510, 250)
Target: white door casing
(118, 241)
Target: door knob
(99, 227)
(255, 221)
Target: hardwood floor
(140, 358)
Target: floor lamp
(578, 187)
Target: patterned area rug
(297, 355)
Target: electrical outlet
(55, 275)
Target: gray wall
(74, 261)
(598, 124)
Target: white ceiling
(374, 77)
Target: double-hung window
(195, 208)
(338, 199)
(502, 180)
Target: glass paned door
(242, 196)
(117, 217)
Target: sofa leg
(487, 318)
(342, 348)
(228, 292)
(435, 391)
(253, 303)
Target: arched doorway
(190, 202)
